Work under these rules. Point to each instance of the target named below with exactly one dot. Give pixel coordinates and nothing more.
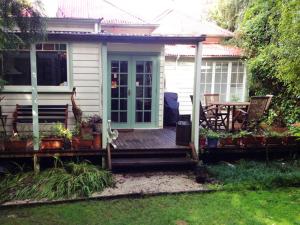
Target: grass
(68, 181)
(281, 206)
(252, 175)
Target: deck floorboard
(148, 139)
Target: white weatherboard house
(119, 76)
(121, 66)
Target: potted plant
(56, 137)
(202, 137)
(83, 142)
(212, 139)
(226, 139)
(19, 142)
(273, 137)
(95, 122)
(251, 139)
(293, 136)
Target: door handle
(128, 92)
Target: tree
(21, 23)
(229, 13)
(270, 34)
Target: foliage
(269, 33)
(202, 132)
(26, 17)
(246, 207)
(270, 133)
(212, 134)
(257, 175)
(242, 133)
(87, 137)
(59, 130)
(72, 180)
(229, 13)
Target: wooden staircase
(151, 159)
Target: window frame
(229, 62)
(27, 88)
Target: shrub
(70, 181)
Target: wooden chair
(207, 116)
(269, 102)
(210, 99)
(255, 112)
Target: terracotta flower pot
(52, 143)
(226, 141)
(291, 140)
(273, 140)
(248, 141)
(202, 141)
(97, 142)
(22, 145)
(79, 143)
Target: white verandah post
(35, 114)
(34, 98)
(104, 93)
(196, 97)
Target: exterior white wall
(179, 77)
(86, 75)
(146, 48)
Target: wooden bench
(47, 114)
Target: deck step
(146, 162)
(148, 153)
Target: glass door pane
(143, 92)
(119, 91)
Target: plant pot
(249, 141)
(291, 140)
(17, 145)
(273, 140)
(97, 142)
(202, 142)
(52, 143)
(212, 142)
(79, 143)
(226, 141)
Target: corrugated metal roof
(110, 12)
(209, 50)
(175, 22)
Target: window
(51, 62)
(237, 81)
(223, 77)
(16, 67)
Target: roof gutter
(127, 38)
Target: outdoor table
(231, 106)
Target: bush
(252, 175)
(70, 181)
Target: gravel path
(150, 183)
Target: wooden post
(34, 98)
(196, 97)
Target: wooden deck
(148, 139)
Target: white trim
(228, 81)
(244, 82)
(213, 78)
(27, 88)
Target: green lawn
(281, 206)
